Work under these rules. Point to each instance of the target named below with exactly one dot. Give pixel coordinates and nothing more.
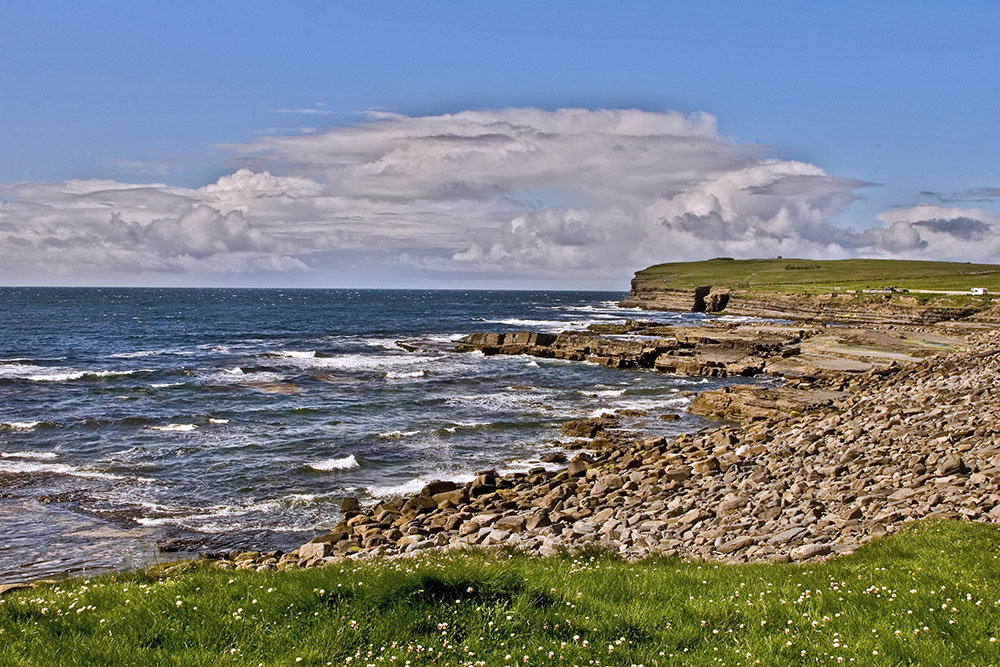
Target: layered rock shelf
(813, 468)
(723, 349)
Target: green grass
(929, 595)
(822, 276)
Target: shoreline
(811, 472)
(686, 496)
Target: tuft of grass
(927, 595)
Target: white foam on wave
(465, 425)
(295, 354)
(524, 465)
(506, 401)
(213, 420)
(36, 373)
(520, 322)
(20, 426)
(237, 375)
(365, 362)
(53, 468)
(162, 385)
(193, 524)
(646, 404)
(414, 485)
(384, 343)
(133, 355)
(445, 338)
(404, 375)
(342, 463)
(28, 455)
(228, 518)
(604, 393)
(180, 428)
(397, 434)
(556, 325)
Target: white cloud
(567, 197)
(928, 231)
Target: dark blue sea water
(227, 418)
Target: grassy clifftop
(821, 276)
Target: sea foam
(181, 428)
(28, 455)
(53, 468)
(20, 426)
(342, 463)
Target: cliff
(856, 291)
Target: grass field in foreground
(929, 595)
(823, 276)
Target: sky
(517, 145)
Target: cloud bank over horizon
(565, 198)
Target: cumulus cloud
(574, 195)
(928, 231)
(984, 194)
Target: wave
(163, 385)
(36, 373)
(213, 420)
(502, 402)
(466, 425)
(133, 355)
(239, 376)
(294, 354)
(228, 527)
(519, 322)
(384, 343)
(556, 325)
(603, 393)
(363, 362)
(404, 375)
(54, 468)
(397, 434)
(414, 485)
(343, 463)
(28, 455)
(20, 426)
(181, 428)
(524, 465)
(645, 404)
(446, 338)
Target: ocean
(216, 419)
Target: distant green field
(823, 276)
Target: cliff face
(652, 293)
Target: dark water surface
(229, 418)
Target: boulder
(315, 550)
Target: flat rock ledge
(858, 456)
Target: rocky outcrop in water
(721, 349)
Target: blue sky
(904, 97)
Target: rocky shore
(871, 429)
